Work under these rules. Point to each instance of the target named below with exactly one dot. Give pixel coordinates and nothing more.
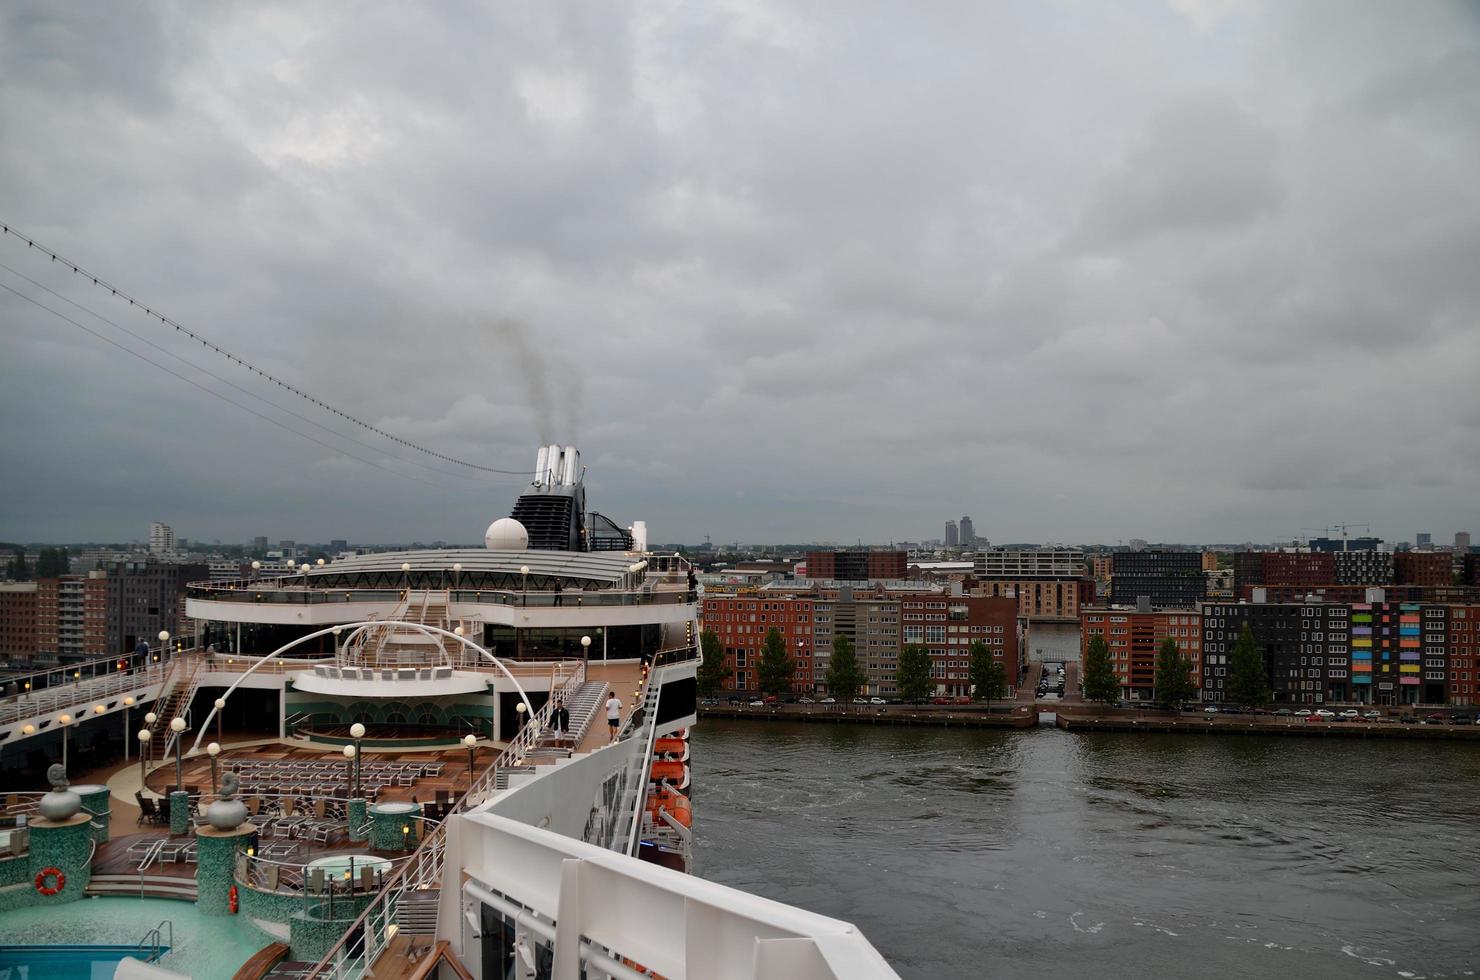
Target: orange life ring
(45, 873)
(231, 900)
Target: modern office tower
(967, 533)
(953, 536)
(161, 539)
(1167, 579)
(857, 565)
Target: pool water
(206, 947)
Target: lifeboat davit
(677, 805)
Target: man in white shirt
(613, 715)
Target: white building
(161, 538)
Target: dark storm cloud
(1184, 271)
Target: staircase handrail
(192, 684)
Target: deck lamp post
(164, 640)
(406, 571)
(520, 708)
(128, 703)
(586, 648)
(213, 750)
(256, 569)
(456, 574)
(524, 575)
(178, 727)
(149, 719)
(144, 736)
(470, 741)
(351, 764)
(65, 721)
(356, 732)
(220, 707)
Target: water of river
(1043, 854)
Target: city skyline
(1167, 271)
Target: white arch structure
(205, 725)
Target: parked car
(1283, 712)
(1350, 713)
(771, 699)
(1407, 720)
(1435, 718)
(963, 699)
(709, 702)
(940, 700)
(1303, 713)
(876, 701)
(757, 703)
(1211, 709)
(1325, 714)
(1233, 711)
(805, 700)
(828, 701)
(1459, 720)
(1372, 715)
(860, 700)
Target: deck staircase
(584, 706)
(187, 677)
(416, 912)
(135, 885)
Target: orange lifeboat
(672, 771)
(674, 748)
(677, 805)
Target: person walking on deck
(613, 716)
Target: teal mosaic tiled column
(214, 863)
(95, 802)
(314, 931)
(357, 821)
(179, 812)
(65, 845)
(387, 823)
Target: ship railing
(559, 893)
(273, 593)
(78, 693)
(297, 878)
(32, 683)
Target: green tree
(912, 676)
(776, 667)
(1248, 682)
(17, 568)
(1100, 682)
(844, 676)
(988, 676)
(1173, 683)
(712, 667)
(51, 563)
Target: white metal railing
(608, 911)
(80, 694)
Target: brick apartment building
(947, 625)
(741, 623)
(1464, 654)
(72, 617)
(1423, 568)
(17, 623)
(858, 565)
(1135, 636)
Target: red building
(1134, 638)
(1464, 654)
(858, 565)
(1299, 569)
(72, 616)
(741, 623)
(17, 623)
(947, 625)
(1423, 568)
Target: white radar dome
(506, 534)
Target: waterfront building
(1423, 568)
(948, 623)
(741, 622)
(1377, 652)
(1135, 635)
(1170, 579)
(857, 564)
(868, 616)
(1048, 583)
(1464, 654)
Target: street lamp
(357, 732)
(64, 721)
(524, 572)
(256, 569)
(406, 571)
(456, 574)
(177, 726)
(586, 648)
(470, 741)
(351, 762)
(164, 640)
(144, 736)
(213, 750)
(220, 707)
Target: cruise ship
(451, 763)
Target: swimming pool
(206, 947)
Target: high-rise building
(72, 616)
(259, 543)
(161, 539)
(953, 536)
(968, 533)
(1167, 579)
(1423, 539)
(1461, 542)
(142, 598)
(17, 624)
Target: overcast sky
(1182, 271)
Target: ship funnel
(541, 463)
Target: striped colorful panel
(1411, 644)
(1361, 654)
(1407, 680)
(1361, 631)
(1361, 679)
(1362, 618)
(1357, 642)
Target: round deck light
(98, 709)
(320, 563)
(64, 720)
(213, 750)
(129, 701)
(349, 752)
(164, 636)
(471, 740)
(458, 630)
(357, 730)
(145, 735)
(256, 566)
(405, 566)
(28, 729)
(151, 718)
(177, 726)
(457, 566)
(220, 703)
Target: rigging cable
(216, 394)
(210, 374)
(180, 328)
